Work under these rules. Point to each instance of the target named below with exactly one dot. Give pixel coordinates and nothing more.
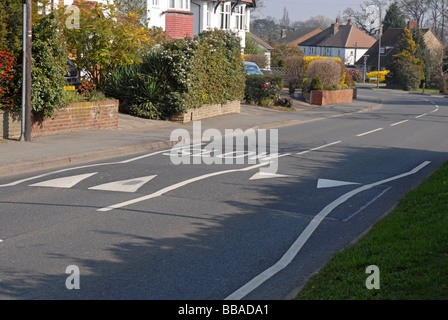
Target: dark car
(72, 75)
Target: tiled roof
(300, 33)
(340, 36)
(263, 43)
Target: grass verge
(409, 246)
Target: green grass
(409, 246)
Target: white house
(187, 18)
(344, 41)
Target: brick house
(346, 42)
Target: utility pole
(28, 71)
(24, 33)
(380, 32)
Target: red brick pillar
(179, 24)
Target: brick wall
(179, 24)
(10, 125)
(208, 111)
(78, 116)
(325, 97)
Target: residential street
(140, 227)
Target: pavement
(136, 135)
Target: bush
(8, 91)
(263, 88)
(49, 66)
(355, 75)
(329, 71)
(316, 84)
(181, 75)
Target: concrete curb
(44, 164)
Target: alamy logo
(234, 147)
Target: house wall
(206, 18)
(348, 55)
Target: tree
(108, 39)
(406, 70)
(394, 18)
(422, 52)
(415, 9)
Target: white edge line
(306, 234)
(369, 132)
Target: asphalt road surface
(142, 227)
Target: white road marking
(319, 148)
(130, 185)
(325, 183)
(306, 234)
(65, 182)
(367, 204)
(14, 183)
(422, 115)
(398, 123)
(369, 132)
(182, 184)
(267, 175)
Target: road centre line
(319, 148)
(397, 123)
(369, 132)
(292, 252)
(422, 115)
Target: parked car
(72, 75)
(252, 68)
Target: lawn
(409, 246)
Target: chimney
(412, 24)
(283, 33)
(335, 26)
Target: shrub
(355, 75)
(329, 71)
(7, 73)
(374, 74)
(181, 75)
(316, 84)
(262, 88)
(48, 66)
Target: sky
(304, 9)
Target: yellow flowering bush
(374, 74)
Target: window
(225, 11)
(209, 14)
(178, 4)
(328, 52)
(239, 17)
(155, 3)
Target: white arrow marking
(324, 183)
(66, 182)
(267, 175)
(130, 185)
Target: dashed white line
(369, 132)
(422, 115)
(397, 123)
(319, 148)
